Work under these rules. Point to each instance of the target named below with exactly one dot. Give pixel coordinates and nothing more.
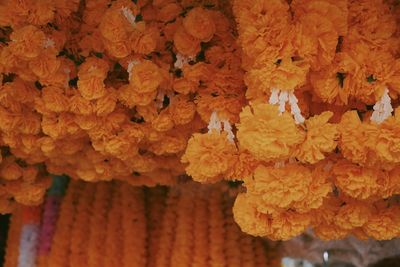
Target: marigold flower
(266, 134)
(278, 187)
(209, 156)
(10, 170)
(54, 99)
(185, 43)
(79, 105)
(27, 42)
(358, 182)
(199, 23)
(288, 224)
(355, 137)
(321, 138)
(352, 215)
(169, 12)
(249, 219)
(163, 122)
(182, 110)
(145, 41)
(145, 77)
(318, 189)
(106, 104)
(387, 142)
(244, 166)
(45, 65)
(384, 224)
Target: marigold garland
(305, 114)
(130, 210)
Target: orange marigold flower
(10, 170)
(318, 189)
(107, 103)
(326, 84)
(288, 224)
(42, 12)
(182, 110)
(45, 65)
(80, 105)
(326, 231)
(355, 137)
(353, 214)
(199, 23)
(185, 43)
(27, 42)
(387, 146)
(91, 87)
(184, 86)
(384, 224)
(354, 180)
(210, 156)
(163, 122)
(169, 12)
(145, 76)
(54, 99)
(321, 138)
(244, 166)
(144, 42)
(278, 187)
(266, 134)
(249, 219)
(289, 74)
(119, 49)
(390, 183)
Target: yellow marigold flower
(390, 183)
(384, 224)
(353, 214)
(210, 156)
(321, 138)
(318, 189)
(169, 144)
(266, 134)
(289, 74)
(355, 137)
(355, 181)
(244, 166)
(288, 224)
(387, 146)
(330, 232)
(199, 23)
(278, 186)
(249, 219)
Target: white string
(129, 15)
(382, 108)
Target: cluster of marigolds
(294, 98)
(110, 224)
